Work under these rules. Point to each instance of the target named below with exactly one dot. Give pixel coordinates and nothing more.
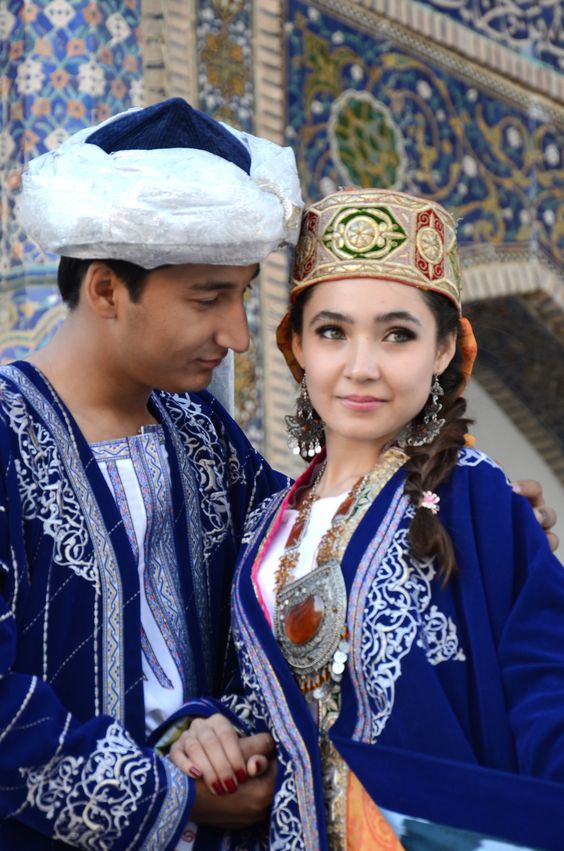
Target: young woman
(397, 613)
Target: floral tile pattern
(67, 66)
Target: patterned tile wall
(64, 66)
(450, 100)
(529, 27)
(365, 108)
(225, 86)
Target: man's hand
(248, 805)
(532, 490)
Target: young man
(121, 506)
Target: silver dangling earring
(305, 429)
(418, 434)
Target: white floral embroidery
(285, 824)
(216, 466)
(410, 511)
(91, 800)
(44, 493)
(255, 518)
(256, 707)
(439, 638)
(396, 615)
(468, 457)
(286, 829)
(55, 490)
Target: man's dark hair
(71, 273)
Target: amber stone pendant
(302, 621)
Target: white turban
(165, 205)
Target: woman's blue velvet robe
(453, 697)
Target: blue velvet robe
(453, 697)
(74, 764)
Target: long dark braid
(431, 465)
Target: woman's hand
(212, 750)
(249, 805)
(532, 490)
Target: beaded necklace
(310, 619)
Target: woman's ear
(297, 350)
(445, 353)
(99, 290)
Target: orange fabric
(366, 826)
(468, 347)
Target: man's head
(162, 216)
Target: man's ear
(100, 290)
(445, 353)
(297, 351)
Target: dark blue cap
(171, 123)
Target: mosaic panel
(67, 65)
(528, 26)
(225, 84)
(365, 109)
(225, 61)
(29, 316)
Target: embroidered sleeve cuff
(174, 813)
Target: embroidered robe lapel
(113, 567)
(197, 594)
(291, 718)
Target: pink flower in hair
(431, 501)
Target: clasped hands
(235, 776)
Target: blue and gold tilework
(65, 65)
(372, 107)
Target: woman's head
(380, 234)
(376, 254)
(376, 310)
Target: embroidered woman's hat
(163, 185)
(380, 234)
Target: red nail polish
(241, 775)
(194, 772)
(218, 788)
(230, 785)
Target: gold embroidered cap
(374, 233)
